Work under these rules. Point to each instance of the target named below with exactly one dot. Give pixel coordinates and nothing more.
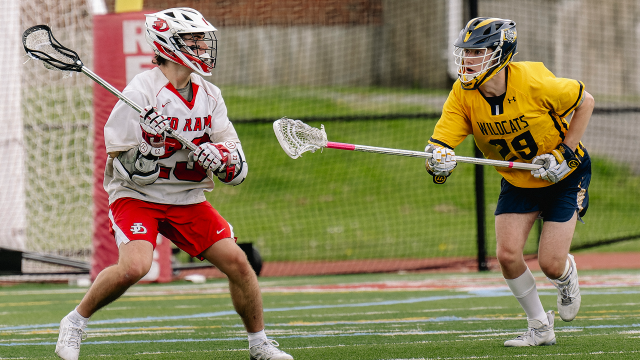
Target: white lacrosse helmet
(164, 33)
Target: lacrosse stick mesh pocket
(40, 44)
(296, 137)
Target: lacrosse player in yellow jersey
(519, 111)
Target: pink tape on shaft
(510, 164)
(341, 146)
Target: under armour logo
(137, 228)
(512, 99)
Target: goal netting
(46, 196)
(373, 72)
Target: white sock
(567, 271)
(78, 319)
(257, 337)
(524, 289)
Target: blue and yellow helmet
(488, 44)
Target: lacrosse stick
(296, 137)
(40, 44)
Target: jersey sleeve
(453, 126)
(122, 130)
(222, 129)
(562, 95)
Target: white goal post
(12, 186)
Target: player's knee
(239, 265)
(552, 268)
(134, 272)
(507, 256)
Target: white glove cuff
(146, 149)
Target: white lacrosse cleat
(538, 334)
(71, 334)
(569, 293)
(267, 350)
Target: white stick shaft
(422, 154)
(191, 146)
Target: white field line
(471, 295)
(274, 331)
(578, 355)
(462, 283)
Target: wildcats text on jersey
(503, 127)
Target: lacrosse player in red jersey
(519, 111)
(156, 185)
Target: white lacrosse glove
(153, 126)
(441, 163)
(557, 165)
(235, 170)
(152, 122)
(211, 156)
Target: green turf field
(360, 317)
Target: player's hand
(153, 126)
(441, 163)
(152, 122)
(212, 156)
(557, 165)
(233, 166)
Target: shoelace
(531, 332)
(74, 337)
(269, 346)
(565, 291)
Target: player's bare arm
(579, 121)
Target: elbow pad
(137, 168)
(236, 169)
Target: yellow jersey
(529, 119)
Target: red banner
(120, 53)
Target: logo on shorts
(573, 163)
(137, 228)
(439, 179)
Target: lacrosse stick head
(296, 137)
(40, 44)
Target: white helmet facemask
(198, 48)
(183, 36)
(473, 63)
